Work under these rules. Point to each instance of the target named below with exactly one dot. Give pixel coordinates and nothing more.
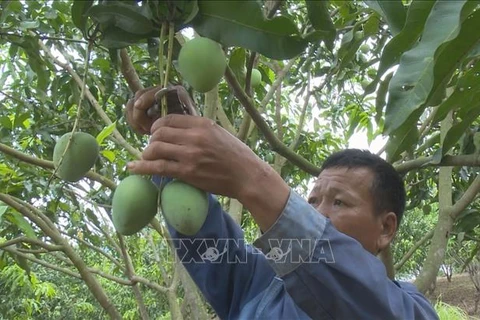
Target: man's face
(344, 196)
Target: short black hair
(388, 189)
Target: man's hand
(137, 107)
(199, 152)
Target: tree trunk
(387, 259)
(438, 246)
(193, 307)
(175, 311)
(235, 210)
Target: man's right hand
(136, 110)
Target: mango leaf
(412, 83)
(462, 94)
(18, 220)
(241, 24)
(79, 8)
(106, 132)
(468, 98)
(320, 19)
(131, 18)
(455, 51)
(392, 11)
(351, 41)
(117, 38)
(468, 220)
(109, 154)
(418, 12)
(474, 53)
(3, 209)
(35, 61)
(237, 64)
(403, 139)
(381, 97)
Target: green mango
(256, 78)
(134, 204)
(202, 63)
(184, 207)
(79, 158)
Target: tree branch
(103, 253)
(466, 198)
(39, 243)
(276, 144)
(130, 272)
(49, 165)
(470, 160)
(278, 81)
(224, 121)
(129, 73)
(91, 282)
(414, 248)
(43, 263)
(150, 284)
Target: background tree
(405, 71)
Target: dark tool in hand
(178, 102)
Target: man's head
(362, 195)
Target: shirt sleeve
(330, 275)
(234, 277)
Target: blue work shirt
(305, 269)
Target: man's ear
(388, 223)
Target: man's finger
(144, 99)
(164, 151)
(166, 168)
(169, 134)
(179, 121)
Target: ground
(459, 292)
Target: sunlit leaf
(241, 23)
(412, 83)
(106, 132)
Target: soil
(459, 292)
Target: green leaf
(79, 8)
(106, 132)
(241, 24)
(465, 90)
(418, 12)
(320, 19)
(110, 155)
(237, 64)
(116, 38)
(3, 209)
(381, 97)
(18, 220)
(403, 139)
(35, 61)
(25, 25)
(412, 83)
(130, 18)
(466, 96)
(452, 53)
(392, 11)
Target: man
(320, 266)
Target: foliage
(446, 311)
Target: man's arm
(330, 274)
(235, 278)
